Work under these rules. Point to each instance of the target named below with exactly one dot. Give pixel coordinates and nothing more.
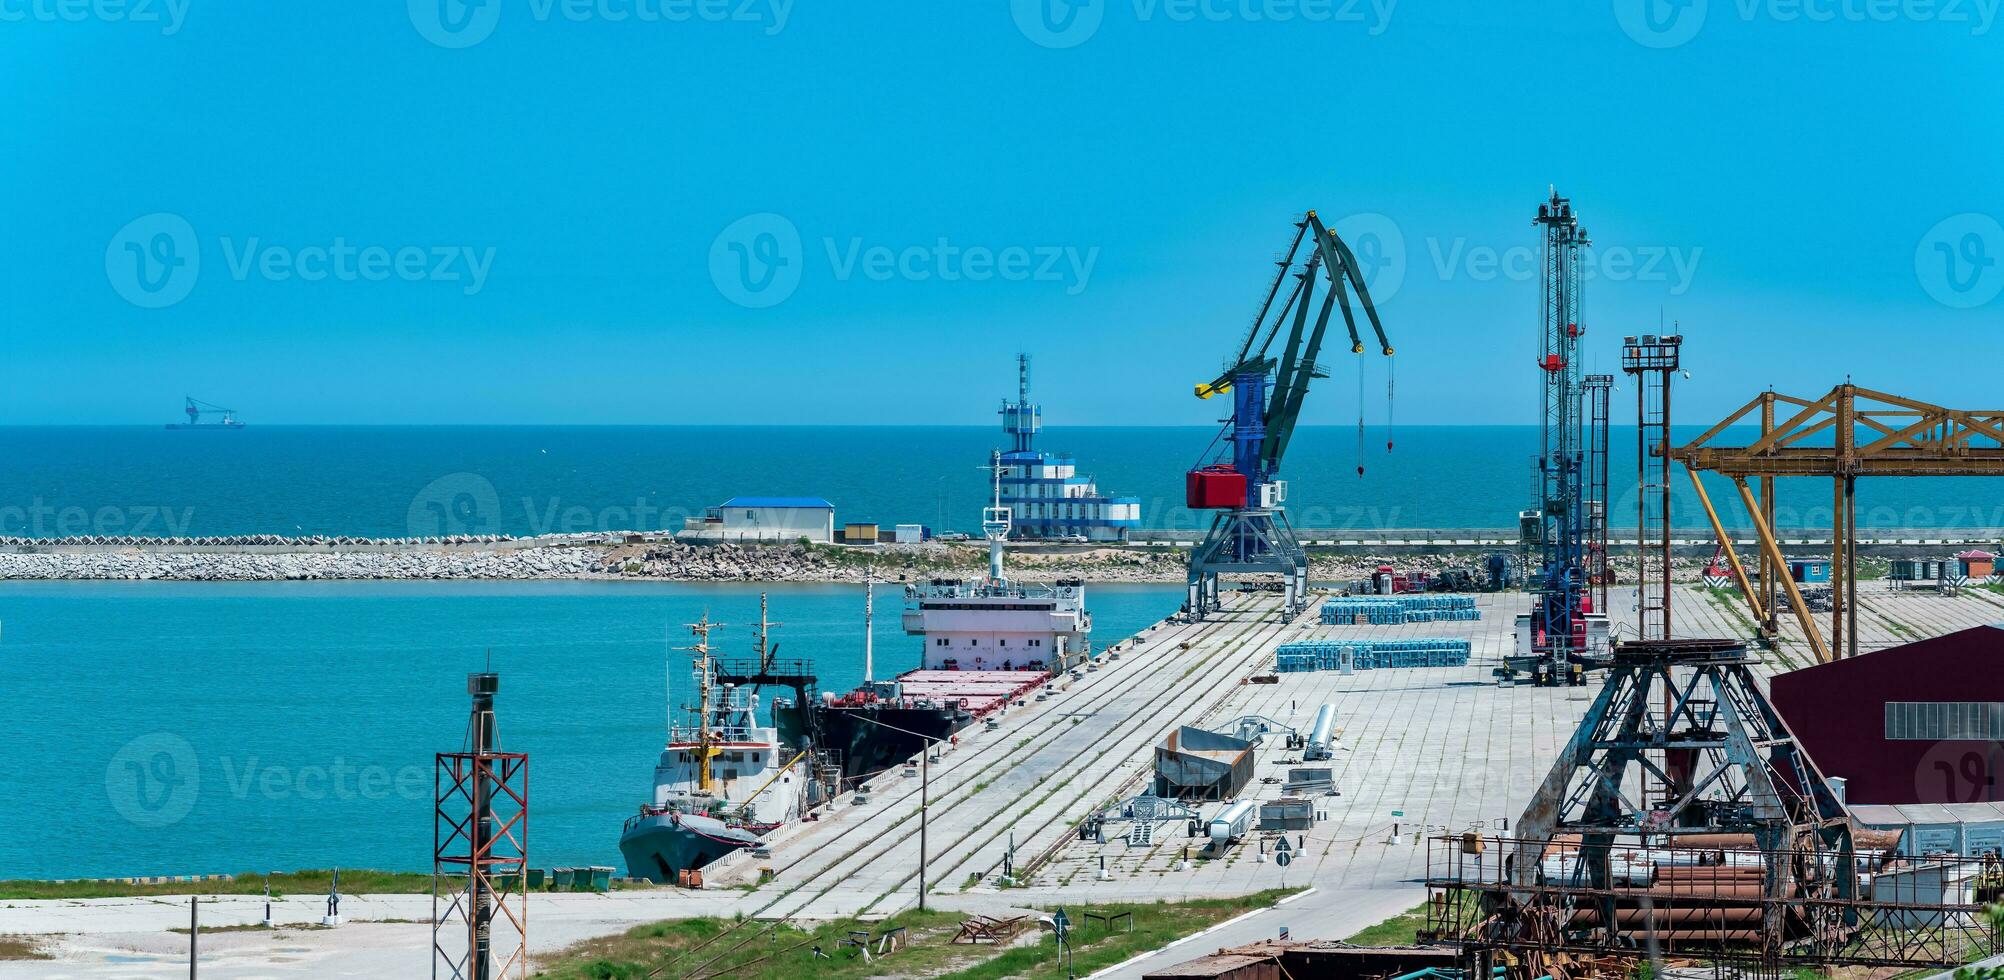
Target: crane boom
(1268, 393)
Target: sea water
(424, 480)
(193, 728)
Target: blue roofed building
(1046, 496)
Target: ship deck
(983, 690)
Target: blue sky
(554, 214)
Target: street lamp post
(925, 784)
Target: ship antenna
(995, 525)
(704, 736)
(869, 622)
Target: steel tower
(1557, 619)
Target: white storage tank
(1321, 738)
(1232, 823)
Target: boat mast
(995, 524)
(705, 738)
(869, 624)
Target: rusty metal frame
(1850, 432)
(493, 861)
(1484, 906)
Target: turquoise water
(197, 728)
(522, 480)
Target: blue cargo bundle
(1397, 610)
(1309, 655)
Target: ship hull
(657, 847)
(865, 745)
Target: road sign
(1282, 846)
(1283, 858)
(1061, 923)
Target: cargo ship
(721, 783)
(987, 642)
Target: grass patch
(21, 948)
(1399, 930)
(252, 883)
(760, 951)
(353, 882)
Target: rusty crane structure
(1849, 433)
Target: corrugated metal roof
(803, 503)
(1975, 812)
(1926, 813)
(1877, 814)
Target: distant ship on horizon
(197, 408)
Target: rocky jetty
(135, 565)
(616, 556)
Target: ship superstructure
(722, 779)
(987, 642)
(1044, 491)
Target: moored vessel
(987, 642)
(722, 782)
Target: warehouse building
(765, 519)
(1914, 724)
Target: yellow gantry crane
(1848, 433)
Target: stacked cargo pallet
(1309, 655)
(1397, 610)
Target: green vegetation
(761, 951)
(249, 883)
(1399, 930)
(353, 882)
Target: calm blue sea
(197, 728)
(397, 481)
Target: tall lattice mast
(1598, 390)
(480, 850)
(1561, 462)
(1652, 360)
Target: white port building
(765, 519)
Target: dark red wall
(1837, 712)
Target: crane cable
(1360, 420)
(1391, 417)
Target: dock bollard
(1183, 863)
(1103, 876)
(333, 916)
(1261, 857)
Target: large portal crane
(1250, 533)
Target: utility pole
(925, 784)
(194, 935)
